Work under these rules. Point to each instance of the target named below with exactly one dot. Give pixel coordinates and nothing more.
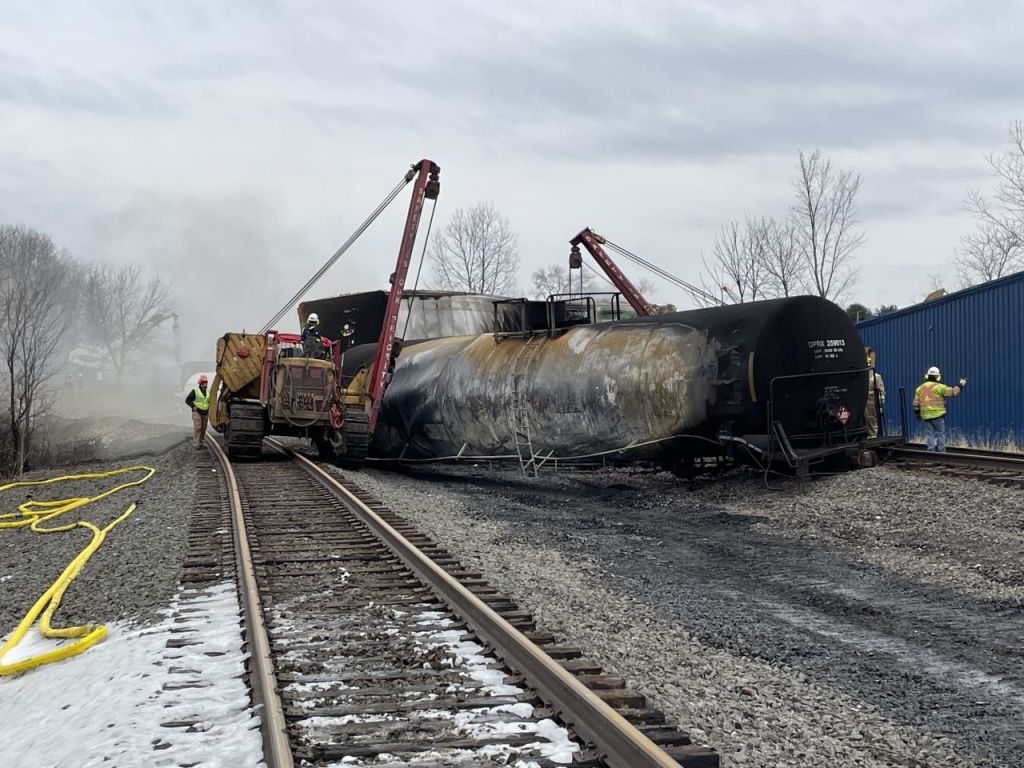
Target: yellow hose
(34, 514)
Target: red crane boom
(427, 187)
(593, 242)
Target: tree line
(477, 252)
(996, 248)
(810, 249)
(49, 303)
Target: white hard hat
(313, 318)
(934, 371)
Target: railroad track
(996, 467)
(370, 644)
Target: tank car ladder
(519, 420)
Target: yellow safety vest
(202, 400)
(931, 398)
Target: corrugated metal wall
(975, 333)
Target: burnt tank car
(773, 380)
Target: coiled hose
(34, 514)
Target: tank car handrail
(588, 301)
(500, 334)
(614, 303)
(777, 431)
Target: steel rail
(962, 457)
(618, 742)
(277, 751)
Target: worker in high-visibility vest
(199, 401)
(930, 407)
(875, 383)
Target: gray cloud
(704, 87)
(126, 127)
(663, 81)
(65, 90)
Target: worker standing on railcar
(311, 336)
(875, 383)
(199, 401)
(930, 407)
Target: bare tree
(738, 264)
(476, 252)
(988, 254)
(784, 266)
(36, 309)
(553, 280)
(123, 310)
(825, 216)
(1005, 208)
(642, 284)
(997, 249)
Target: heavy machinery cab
(268, 384)
(300, 391)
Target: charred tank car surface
(780, 380)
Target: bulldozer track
(356, 432)
(244, 432)
(370, 643)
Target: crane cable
(423, 254)
(409, 176)
(677, 281)
(33, 514)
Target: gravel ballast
(135, 571)
(865, 619)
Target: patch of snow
(553, 740)
(426, 617)
(131, 701)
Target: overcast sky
(204, 137)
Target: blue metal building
(977, 333)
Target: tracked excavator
(268, 384)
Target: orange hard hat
(202, 378)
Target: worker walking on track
(930, 407)
(875, 384)
(311, 336)
(199, 401)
